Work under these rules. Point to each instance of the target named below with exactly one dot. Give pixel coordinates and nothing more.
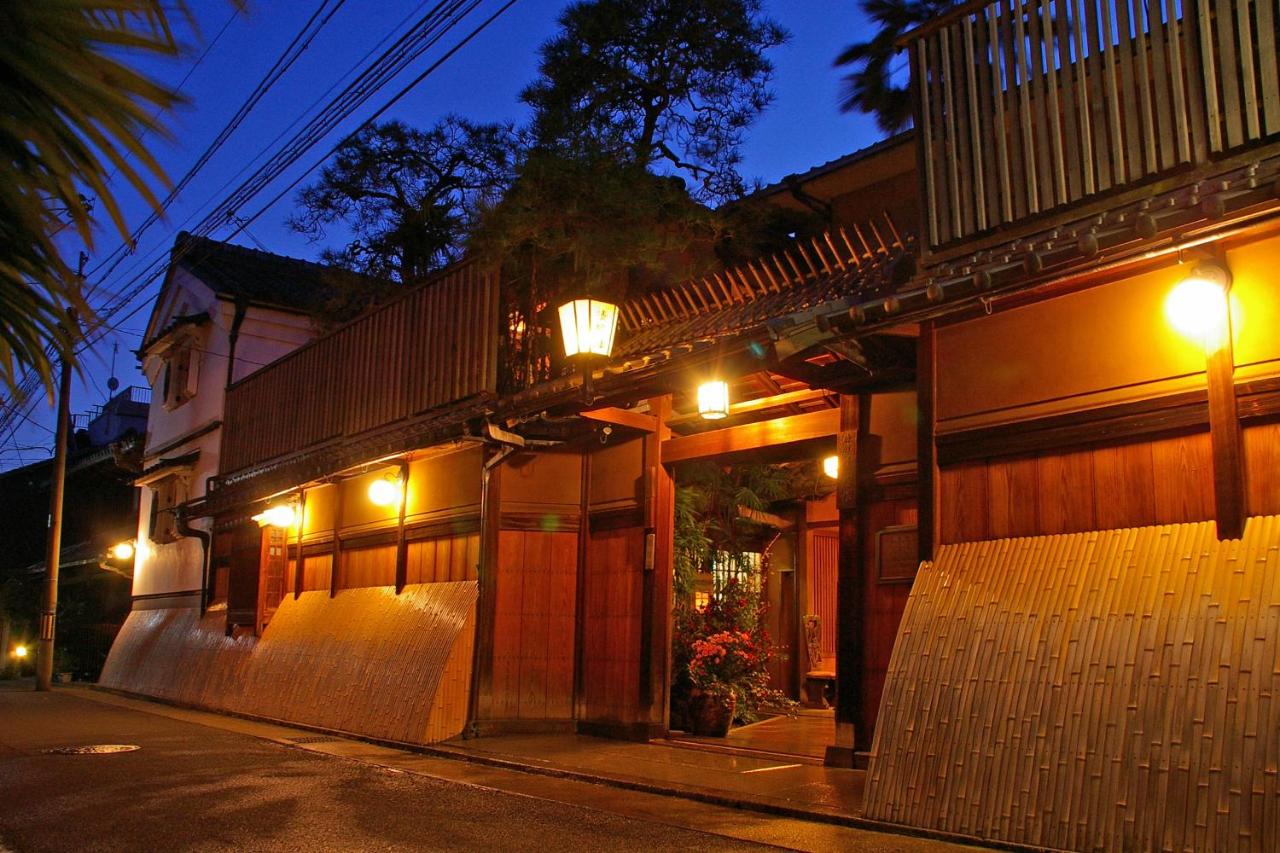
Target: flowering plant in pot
(720, 667)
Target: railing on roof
(432, 346)
(1026, 106)
(806, 260)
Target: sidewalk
(775, 785)
(771, 801)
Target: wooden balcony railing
(1024, 106)
(432, 346)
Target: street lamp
(713, 400)
(587, 327)
(122, 551)
(20, 652)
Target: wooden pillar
(852, 734)
(1224, 437)
(659, 567)
(926, 450)
(481, 698)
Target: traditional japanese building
(1038, 337)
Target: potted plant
(721, 667)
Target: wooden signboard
(897, 554)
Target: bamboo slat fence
(397, 668)
(1024, 106)
(1106, 690)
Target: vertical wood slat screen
(434, 345)
(1023, 106)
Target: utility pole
(57, 481)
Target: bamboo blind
(366, 661)
(1101, 690)
(1027, 105)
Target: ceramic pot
(710, 715)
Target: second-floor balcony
(1026, 107)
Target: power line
(388, 65)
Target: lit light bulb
(1197, 307)
(386, 491)
(713, 400)
(19, 651)
(831, 466)
(122, 551)
(280, 515)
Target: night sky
(802, 128)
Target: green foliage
(407, 196)
(670, 83)
(71, 110)
(592, 224)
(870, 87)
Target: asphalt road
(192, 787)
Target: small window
(167, 495)
(181, 365)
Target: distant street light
(20, 651)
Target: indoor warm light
(280, 515)
(122, 551)
(713, 400)
(386, 491)
(588, 326)
(19, 651)
(1197, 307)
(831, 466)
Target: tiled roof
(262, 278)
(812, 272)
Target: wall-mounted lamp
(386, 491)
(1197, 307)
(279, 515)
(831, 466)
(713, 400)
(122, 551)
(20, 651)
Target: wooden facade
(379, 369)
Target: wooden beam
(789, 398)
(616, 416)
(658, 572)
(1225, 440)
(926, 451)
(853, 735)
(766, 518)
(792, 429)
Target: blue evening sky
(803, 128)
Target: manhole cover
(93, 749)
(313, 739)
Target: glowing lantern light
(386, 491)
(280, 515)
(19, 651)
(831, 467)
(1197, 307)
(713, 400)
(587, 326)
(122, 551)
